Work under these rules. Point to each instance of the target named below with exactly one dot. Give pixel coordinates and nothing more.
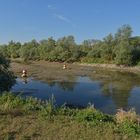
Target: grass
(30, 118)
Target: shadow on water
(107, 90)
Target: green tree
(124, 53)
(107, 52)
(13, 49)
(66, 42)
(7, 78)
(123, 33)
(124, 50)
(45, 47)
(4, 51)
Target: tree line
(119, 48)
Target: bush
(126, 116)
(9, 101)
(7, 78)
(129, 128)
(91, 114)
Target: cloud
(52, 10)
(51, 7)
(62, 18)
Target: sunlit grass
(30, 118)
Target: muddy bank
(114, 67)
(53, 71)
(43, 70)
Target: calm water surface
(107, 91)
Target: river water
(106, 90)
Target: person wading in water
(24, 73)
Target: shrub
(91, 114)
(129, 128)
(126, 116)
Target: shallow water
(106, 90)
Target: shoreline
(111, 67)
(122, 68)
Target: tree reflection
(66, 85)
(25, 80)
(50, 82)
(117, 85)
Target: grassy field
(30, 119)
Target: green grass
(30, 118)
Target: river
(106, 90)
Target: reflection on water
(25, 80)
(107, 90)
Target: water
(107, 91)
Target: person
(25, 81)
(24, 73)
(64, 66)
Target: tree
(108, 48)
(89, 42)
(124, 54)
(13, 49)
(66, 42)
(124, 50)
(123, 33)
(135, 41)
(50, 43)
(7, 78)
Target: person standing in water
(64, 66)
(24, 73)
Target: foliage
(121, 48)
(7, 78)
(124, 54)
(91, 114)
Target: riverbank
(53, 72)
(134, 69)
(43, 70)
(74, 68)
(32, 119)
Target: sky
(24, 20)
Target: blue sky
(24, 20)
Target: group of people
(24, 71)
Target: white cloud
(52, 10)
(62, 18)
(51, 7)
